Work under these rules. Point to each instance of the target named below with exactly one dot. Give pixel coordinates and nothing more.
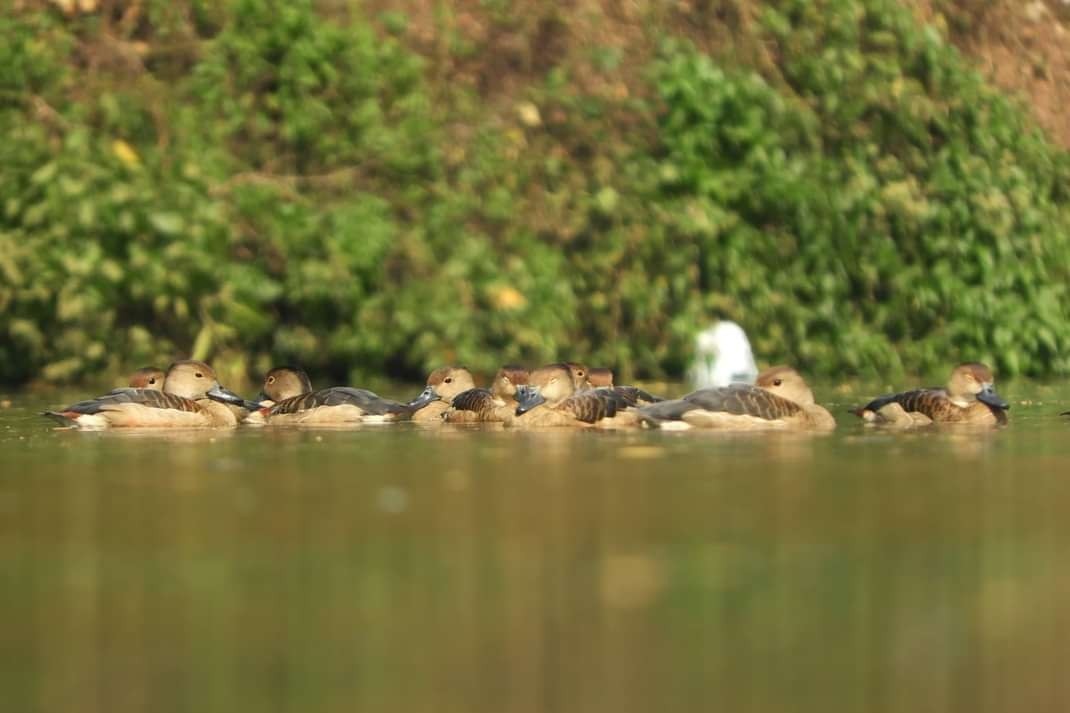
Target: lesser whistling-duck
(550, 398)
(443, 384)
(287, 398)
(191, 398)
(780, 398)
(602, 378)
(147, 377)
(968, 398)
(494, 405)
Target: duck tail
(63, 418)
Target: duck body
(191, 398)
(494, 405)
(435, 402)
(338, 405)
(935, 405)
(551, 399)
(779, 400)
(969, 398)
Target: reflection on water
(415, 569)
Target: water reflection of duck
(968, 398)
(723, 356)
(191, 398)
(780, 398)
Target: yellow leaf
(506, 297)
(125, 153)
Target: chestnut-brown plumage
(779, 398)
(968, 398)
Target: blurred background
(375, 188)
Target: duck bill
(226, 396)
(527, 398)
(989, 397)
(426, 396)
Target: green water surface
(401, 568)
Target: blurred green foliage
(258, 181)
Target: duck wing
(591, 406)
(736, 399)
(630, 396)
(934, 403)
(145, 397)
(369, 402)
(480, 401)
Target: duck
(550, 398)
(443, 385)
(779, 399)
(723, 356)
(287, 398)
(969, 398)
(147, 377)
(494, 405)
(602, 378)
(283, 382)
(578, 371)
(191, 398)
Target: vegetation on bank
(260, 181)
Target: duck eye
(271, 379)
(449, 379)
(199, 375)
(777, 382)
(152, 380)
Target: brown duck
(147, 377)
(494, 405)
(191, 398)
(443, 385)
(602, 378)
(779, 399)
(287, 398)
(968, 398)
(550, 398)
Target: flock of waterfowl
(565, 394)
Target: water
(408, 569)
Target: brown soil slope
(1021, 45)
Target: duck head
(196, 380)
(508, 378)
(147, 377)
(546, 385)
(973, 381)
(284, 382)
(786, 383)
(443, 384)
